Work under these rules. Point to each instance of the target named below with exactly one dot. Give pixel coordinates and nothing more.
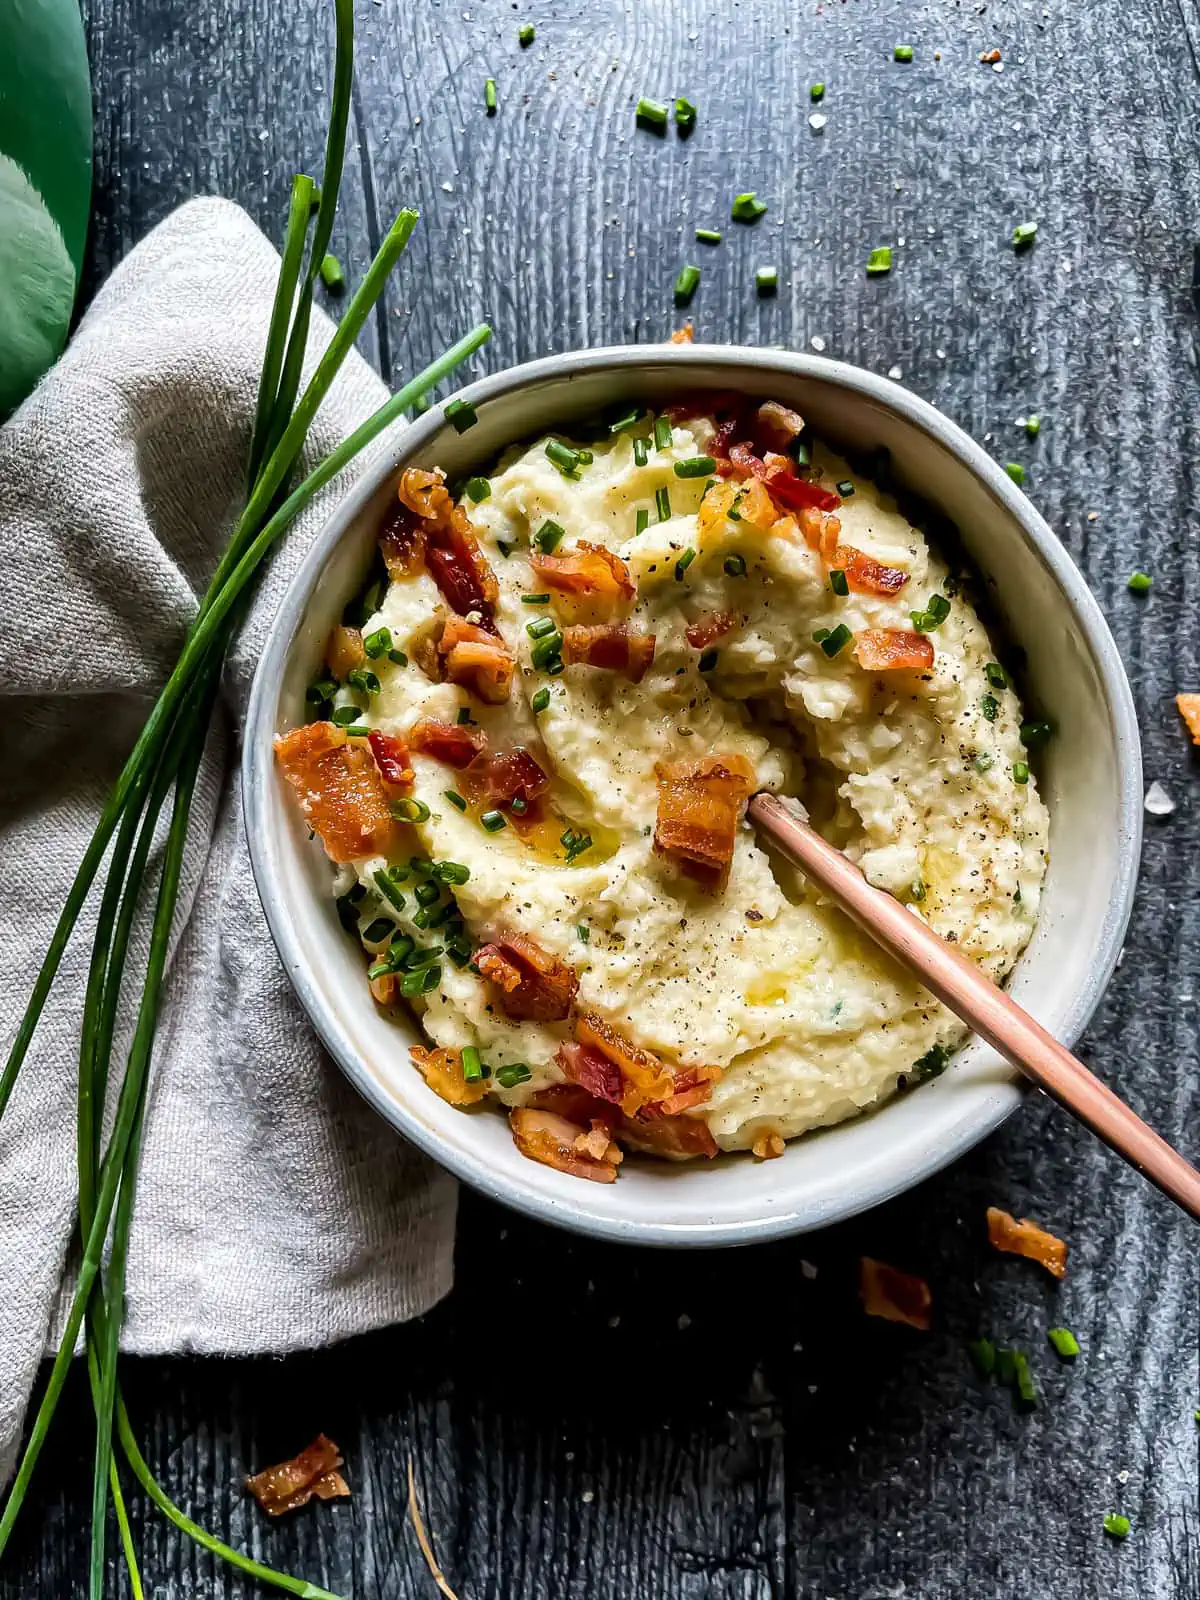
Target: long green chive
(879, 260)
(684, 562)
(332, 275)
(708, 236)
(766, 280)
(1020, 772)
(651, 114)
(493, 821)
(427, 893)
(735, 566)
(472, 1064)
(695, 467)
(540, 627)
(563, 457)
(629, 419)
(1015, 471)
(838, 582)
(549, 536)
(510, 1076)
(686, 285)
(1024, 234)
(461, 415)
(535, 599)
(1064, 1341)
(641, 452)
(478, 489)
(388, 889)
(378, 643)
(539, 702)
(1140, 582)
(685, 115)
(407, 809)
(546, 649)
(489, 96)
(1116, 1525)
(747, 207)
(525, 35)
(662, 503)
(836, 640)
(455, 799)
(358, 730)
(902, 52)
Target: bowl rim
(257, 771)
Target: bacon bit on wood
(989, 57)
(707, 630)
(454, 744)
(588, 572)
(443, 1072)
(418, 1522)
(293, 1483)
(1189, 710)
(546, 1137)
(893, 650)
(391, 757)
(477, 660)
(684, 335)
(443, 537)
(1025, 1238)
(865, 574)
(775, 425)
(534, 985)
(340, 791)
(700, 804)
(609, 645)
(645, 1077)
(894, 1296)
(344, 651)
(768, 1146)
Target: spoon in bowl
(959, 984)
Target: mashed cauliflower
(918, 777)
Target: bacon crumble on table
(455, 744)
(588, 572)
(532, 985)
(476, 659)
(443, 1072)
(611, 646)
(1025, 1238)
(700, 804)
(684, 335)
(893, 650)
(549, 1138)
(340, 791)
(1189, 709)
(893, 1295)
(289, 1484)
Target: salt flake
(1158, 802)
(816, 122)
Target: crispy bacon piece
(768, 1146)
(821, 532)
(425, 494)
(591, 1070)
(1025, 1238)
(293, 1483)
(645, 1077)
(572, 1101)
(460, 570)
(589, 571)
(340, 791)
(391, 758)
(436, 530)
(699, 806)
(344, 651)
(383, 988)
(669, 1136)
(776, 425)
(693, 1087)
(1189, 710)
(893, 650)
(866, 574)
(443, 1072)
(546, 1137)
(510, 775)
(534, 985)
(454, 744)
(684, 335)
(402, 541)
(610, 645)
(707, 630)
(797, 494)
(894, 1296)
(477, 660)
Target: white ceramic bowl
(1091, 778)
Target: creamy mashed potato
(912, 775)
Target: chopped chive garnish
(845, 488)
(540, 627)
(735, 566)
(1117, 1525)
(585, 457)
(1020, 772)
(332, 275)
(550, 535)
(489, 95)
(420, 866)
(880, 260)
(766, 280)
(983, 761)
(1140, 582)
(427, 893)
(990, 707)
(820, 635)
(455, 799)
(421, 981)
(563, 457)
(1015, 471)
(937, 609)
(472, 1065)
(1024, 234)
(535, 599)
(546, 648)
(378, 643)
(747, 207)
(517, 806)
(838, 583)
(379, 969)
(421, 958)
(837, 640)
(684, 562)
(555, 668)
(816, 91)
(1033, 425)
(379, 930)
(1035, 733)
(388, 889)
(540, 701)
(584, 932)
(686, 285)
(708, 235)
(916, 890)
(324, 689)
(685, 114)
(902, 52)
(1027, 1393)
(510, 1076)
(662, 433)
(430, 916)
(641, 520)
(343, 716)
(397, 658)
(504, 548)
(629, 420)
(358, 731)
(641, 452)
(464, 716)
(983, 1354)
(478, 489)
(461, 414)
(695, 467)
(525, 35)
(652, 114)
(409, 810)
(996, 675)
(800, 452)
(662, 503)
(708, 660)
(492, 821)
(1064, 1341)
(363, 679)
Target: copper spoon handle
(959, 984)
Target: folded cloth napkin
(274, 1210)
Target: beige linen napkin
(275, 1211)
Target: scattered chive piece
(641, 520)
(747, 207)
(504, 548)
(916, 890)
(555, 667)
(540, 701)
(845, 488)
(1117, 1525)
(421, 981)
(343, 716)
(379, 930)
(464, 716)
(478, 489)
(379, 969)
(427, 893)
(662, 433)
(685, 114)
(332, 275)
(540, 627)
(455, 799)
(1020, 772)
(983, 1354)
(563, 457)
(652, 114)
(585, 457)
(1024, 234)
(472, 1065)
(708, 661)
(359, 730)
(629, 420)
(516, 1072)
(837, 640)
(535, 599)
(816, 91)
(800, 452)
(517, 806)
(546, 650)
(1065, 1343)
(880, 260)
(936, 611)
(584, 932)
(378, 643)
(409, 810)
(324, 689)
(461, 414)
(489, 96)
(662, 503)
(397, 658)
(550, 535)
(421, 958)
(525, 35)
(1140, 582)
(820, 635)
(695, 467)
(983, 761)
(708, 236)
(492, 821)
(996, 675)
(686, 285)
(902, 52)
(1033, 425)
(990, 707)
(735, 566)
(766, 280)
(1027, 1394)
(684, 562)
(838, 583)
(388, 889)
(363, 679)
(641, 452)
(1035, 733)
(1015, 471)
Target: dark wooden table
(593, 1421)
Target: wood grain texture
(591, 1421)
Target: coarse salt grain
(1158, 802)
(817, 342)
(895, 373)
(816, 122)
